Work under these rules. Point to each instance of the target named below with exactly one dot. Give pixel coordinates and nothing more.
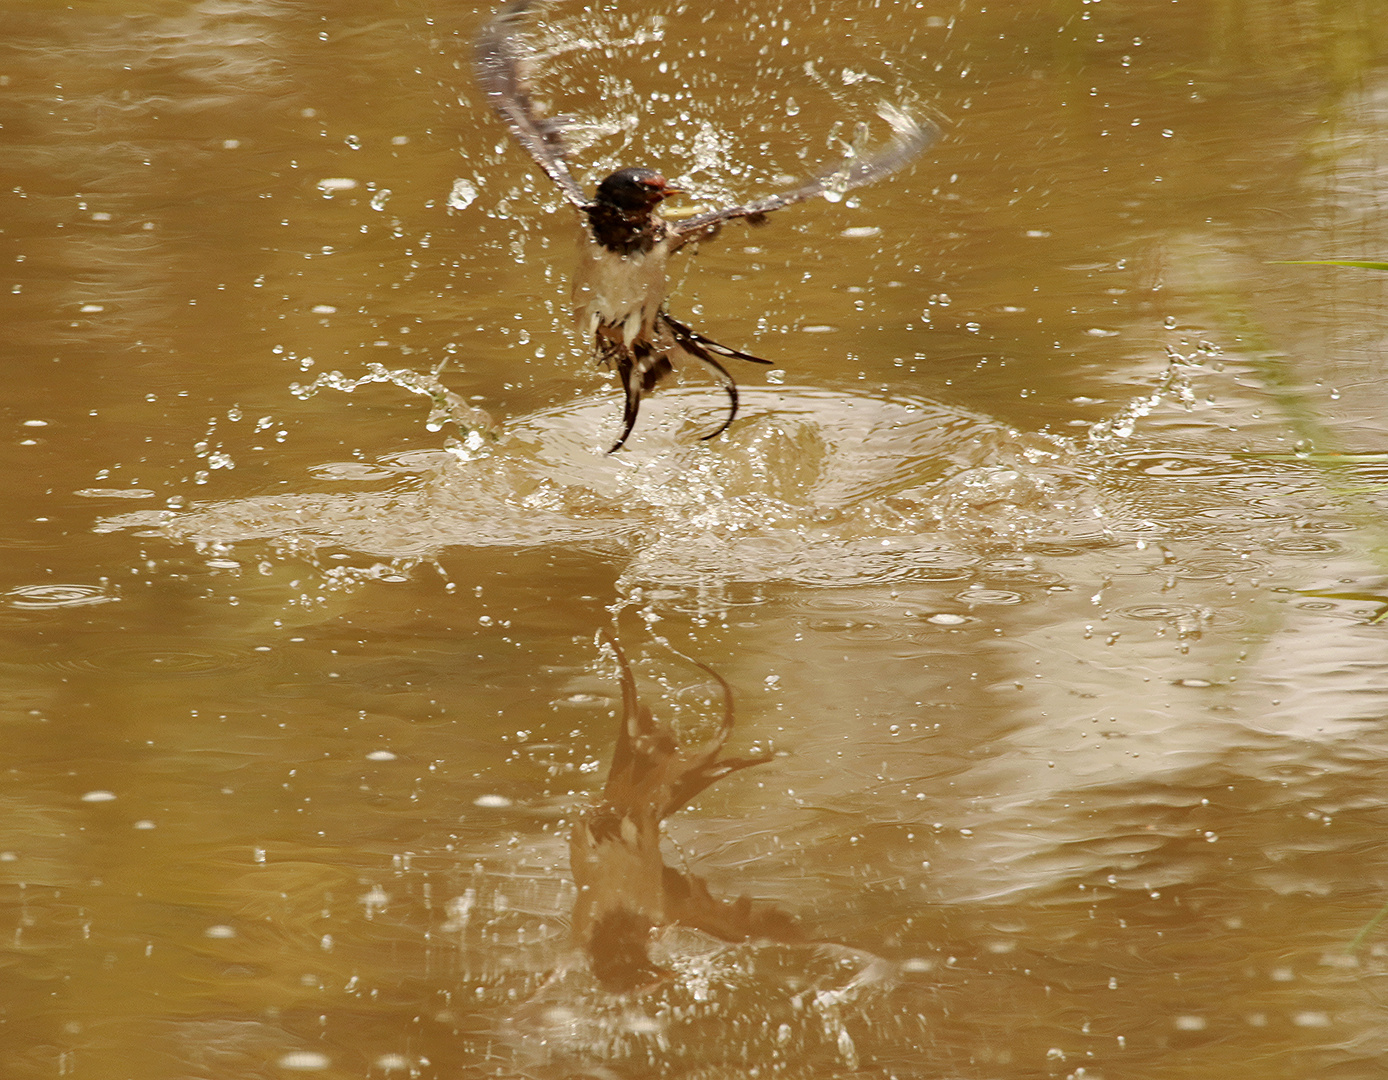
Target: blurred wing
(912, 138)
(500, 61)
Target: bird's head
(634, 190)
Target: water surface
(1048, 561)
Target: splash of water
(475, 429)
(1174, 385)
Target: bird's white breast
(621, 293)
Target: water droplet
(463, 195)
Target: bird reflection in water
(625, 890)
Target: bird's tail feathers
(640, 368)
(684, 334)
(703, 349)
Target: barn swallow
(625, 890)
(619, 289)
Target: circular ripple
(351, 470)
(1178, 465)
(181, 658)
(1059, 551)
(990, 597)
(836, 625)
(956, 560)
(863, 631)
(1212, 568)
(1304, 545)
(36, 597)
(1026, 577)
(418, 460)
(941, 573)
(1005, 567)
(834, 603)
(1160, 612)
(1240, 513)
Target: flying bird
(619, 289)
(625, 890)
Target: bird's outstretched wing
(912, 137)
(501, 69)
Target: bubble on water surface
(304, 1060)
(582, 700)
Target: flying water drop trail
(474, 426)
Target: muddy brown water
(1049, 561)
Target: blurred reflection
(625, 890)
